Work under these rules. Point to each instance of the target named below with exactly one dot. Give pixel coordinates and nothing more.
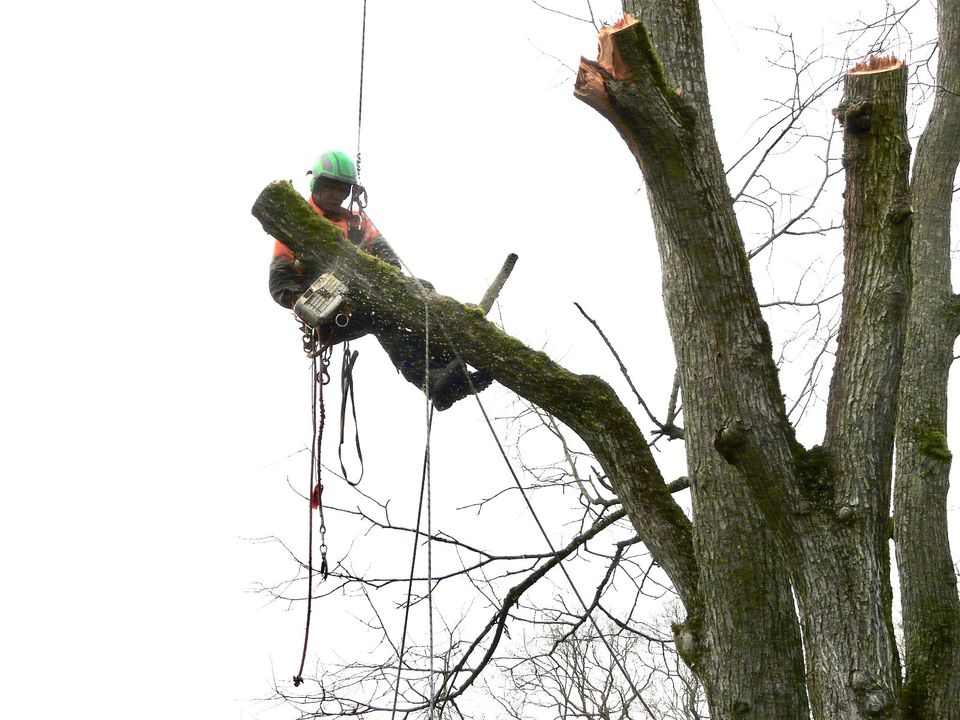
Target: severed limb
(585, 403)
(440, 378)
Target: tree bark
(650, 85)
(652, 89)
(931, 610)
(846, 543)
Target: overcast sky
(153, 393)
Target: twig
(498, 622)
(669, 430)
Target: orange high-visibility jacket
(287, 280)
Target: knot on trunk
(730, 440)
(685, 637)
(855, 117)
(871, 696)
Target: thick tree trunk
(747, 650)
(844, 587)
(931, 610)
(826, 508)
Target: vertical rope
(429, 403)
(413, 565)
(616, 659)
(316, 396)
(363, 47)
(425, 492)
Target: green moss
(815, 472)
(952, 310)
(636, 48)
(934, 444)
(638, 52)
(933, 649)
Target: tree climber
(334, 178)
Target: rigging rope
(413, 564)
(463, 368)
(616, 659)
(425, 490)
(363, 47)
(429, 419)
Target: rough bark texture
(846, 543)
(650, 85)
(931, 611)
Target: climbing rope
(425, 492)
(363, 47)
(413, 565)
(523, 493)
(315, 350)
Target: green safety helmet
(335, 165)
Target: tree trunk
(931, 610)
(652, 88)
(746, 649)
(844, 587)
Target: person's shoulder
(369, 228)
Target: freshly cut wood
(607, 56)
(875, 63)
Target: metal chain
(321, 379)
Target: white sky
(151, 388)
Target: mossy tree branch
(584, 403)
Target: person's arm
(380, 248)
(374, 243)
(287, 282)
